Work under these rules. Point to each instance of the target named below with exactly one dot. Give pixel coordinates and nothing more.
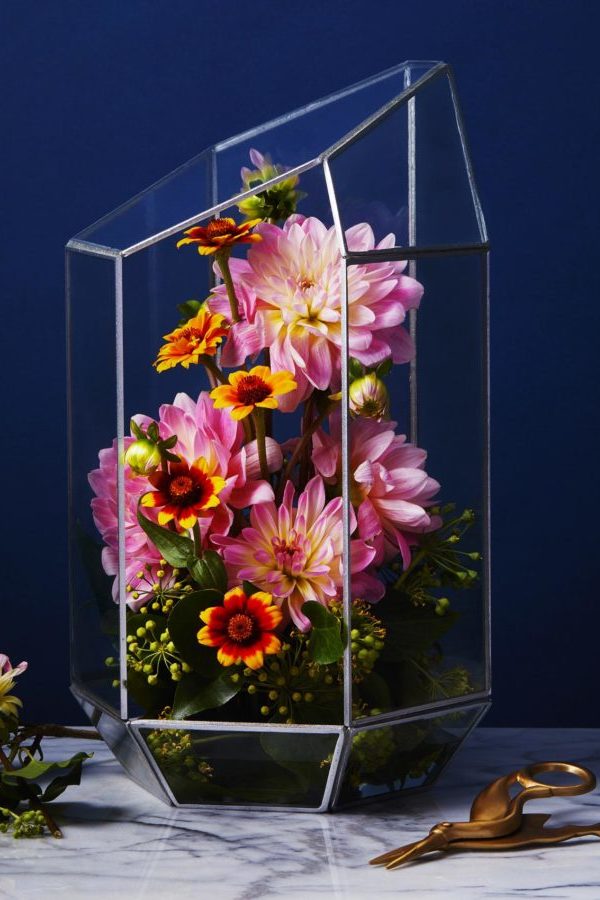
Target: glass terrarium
(279, 457)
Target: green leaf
(194, 694)
(151, 698)
(325, 644)
(384, 368)
(374, 690)
(300, 757)
(411, 631)
(136, 431)
(249, 588)
(209, 571)
(355, 368)
(177, 549)
(61, 782)
(188, 310)
(37, 768)
(184, 623)
(152, 431)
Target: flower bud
(143, 456)
(368, 396)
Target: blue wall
(99, 100)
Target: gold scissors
(497, 819)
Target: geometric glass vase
(278, 456)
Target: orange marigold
(246, 390)
(218, 234)
(242, 628)
(199, 336)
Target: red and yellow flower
(242, 628)
(200, 336)
(219, 234)
(184, 493)
(257, 388)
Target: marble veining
(120, 842)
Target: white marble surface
(122, 843)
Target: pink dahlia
(390, 489)
(202, 431)
(295, 553)
(290, 287)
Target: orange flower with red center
(200, 336)
(220, 233)
(242, 628)
(247, 390)
(184, 493)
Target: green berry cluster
(372, 750)
(173, 751)
(23, 825)
(438, 563)
(289, 683)
(367, 635)
(151, 651)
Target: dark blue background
(99, 100)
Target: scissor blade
(427, 845)
(391, 854)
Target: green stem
(214, 370)
(223, 260)
(197, 538)
(302, 443)
(261, 443)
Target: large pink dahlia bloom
(290, 289)
(295, 553)
(390, 489)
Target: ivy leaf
(177, 549)
(209, 571)
(325, 645)
(184, 623)
(194, 694)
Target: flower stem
(301, 445)
(214, 370)
(197, 538)
(223, 260)
(261, 443)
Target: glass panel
(177, 197)
(392, 758)
(407, 175)
(92, 424)
(274, 522)
(293, 140)
(243, 768)
(420, 504)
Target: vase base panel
(243, 768)
(122, 743)
(391, 759)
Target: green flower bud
(368, 397)
(143, 457)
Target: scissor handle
(534, 788)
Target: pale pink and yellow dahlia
(292, 290)
(389, 487)
(295, 553)
(9, 704)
